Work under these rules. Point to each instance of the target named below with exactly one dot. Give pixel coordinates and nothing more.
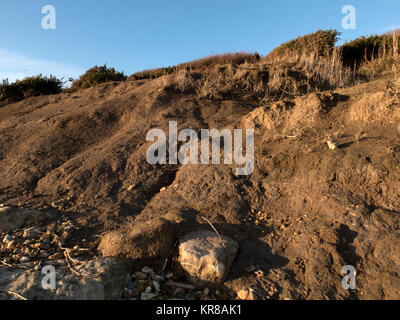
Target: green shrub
(220, 59)
(199, 64)
(321, 42)
(367, 48)
(152, 74)
(97, 75)
(29, 87)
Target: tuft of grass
(371, 56)
(199, 65)
(321, 42)
(152, 74)
(29, 87)
(97, 75)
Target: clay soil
(304, 213)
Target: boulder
(153, 239)
(206, 258)
(101, 279)
(15, 218)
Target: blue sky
(136, 35)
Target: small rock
(10, 244)
(30, 233)
(246, 294)
(24, 259)
(332, 144)
(147, 270)
(148, 289)
(157, 277)
(7, 238)
(147, 296)
(250, 268)
(156, 285)
(131, 285)
(206, 291)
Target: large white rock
(205, 258)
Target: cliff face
(304, 213)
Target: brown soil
(304, 213)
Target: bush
(152, 74)
(199, 65)
(97, 75)
(367, 48)
(29, 87)
(320, 42)
(220, 59)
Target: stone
(24, 259)
(246, 294)
(7, 238)
(131, 285)
(332, 144)
(206, 258)
(30, 233)
(156, 285)
(147, 270)
(10, 244)
(250, 268)
(15, 218)
(147, 296)
(153, 239)
(101, 279)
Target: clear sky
(133, 35)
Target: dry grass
(374, 56)
(204, 64)
(290, 71)
(295, 74)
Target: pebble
(147, 296)
(250, 268)
(206, 291)
(148, 289)
(246, 294)
(10, 244)
(7, 238)
(131, 285)
(157, 277)
(147, 270)
(156, 285)
(30, 233)
(24, 259)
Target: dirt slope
(304, 213)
